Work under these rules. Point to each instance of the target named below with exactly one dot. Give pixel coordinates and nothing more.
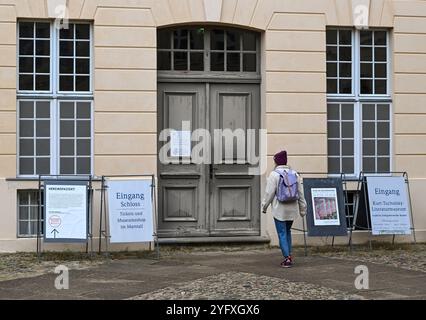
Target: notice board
(389, 205)
(130, 211)
(66, 211)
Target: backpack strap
(280, 173)
(285, 178)
(287, 172)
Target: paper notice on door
(180, 142)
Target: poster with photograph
(325, 207)
(326, 215)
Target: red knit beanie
(281, 158)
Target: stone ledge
(212, 240)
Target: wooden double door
(208, 198)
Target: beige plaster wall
(294, 81)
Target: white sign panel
(130, 211)
(325, 207)
(389, 206)
(66, 212)
(180, 142)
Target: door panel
(179, 107)
(234, 113)
(180, 202)
(234, 201)
(182, 186)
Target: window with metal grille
(28, 214)
(205, 49)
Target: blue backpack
(287, 190)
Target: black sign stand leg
(107, 236)
(39, 220)
(304, 230)
(89, 220)
(355, 214)
(100, 215)
(348, 214)
(405, 175)
(103, 227)
(304, 237)
(154, 202)
(364, 181)
(91, 193)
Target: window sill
(71, 178)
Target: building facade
(341, 85)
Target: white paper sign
(130, 211)
(325, 207)
(180, 142)
(66, 212)
(389, 206)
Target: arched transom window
(200, 49)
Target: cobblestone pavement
(408, 257)
(245, 286)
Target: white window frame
(57, 60)
(54, 96)
(359, 99)
(18, 138)
(353, 94)
(389, 59)
(57, 140)
(54, 135)
(360, 157)
(356, 132)
(52, 47)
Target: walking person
(284, 193)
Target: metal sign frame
(362, 191)
(44, 180)
(103, 222)
(304, 229)
(346, 204)
(340, 230)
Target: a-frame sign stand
(362, 194)
(103, 223)
(41, 216)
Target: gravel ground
(410, 257)
(245, 286)
(26, 265)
